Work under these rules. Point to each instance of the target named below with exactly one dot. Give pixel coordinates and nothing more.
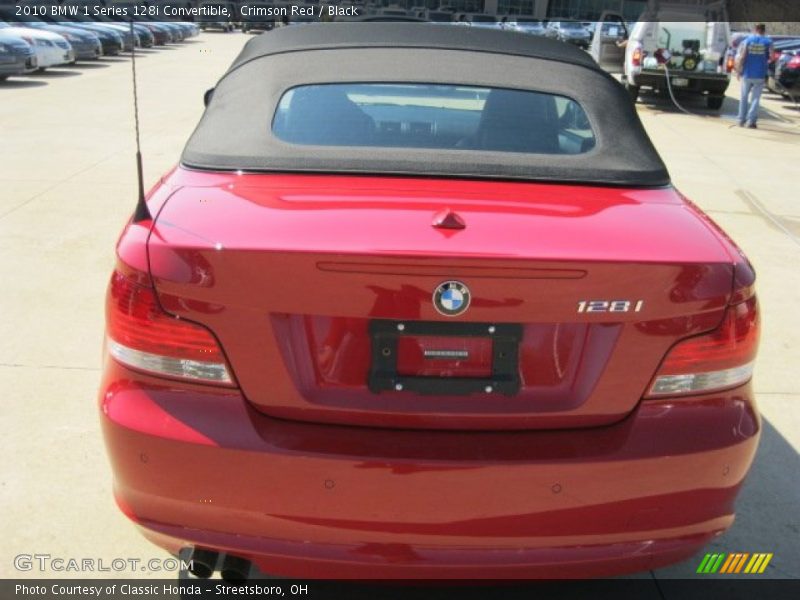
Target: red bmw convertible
(421, 301)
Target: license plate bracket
(384, 376)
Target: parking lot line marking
(751, 200)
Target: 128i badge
(451, 298)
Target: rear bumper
(53, 56)
(198, 466)
(67, 55)
(87, 51)
(111, 47)
(18, 65)
(789, 82)
(711, 83)
(160, 38)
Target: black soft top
(411, 35)
(235, 131)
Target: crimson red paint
(733, 343)
(298, 466)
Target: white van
(692, 48)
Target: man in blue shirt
(756, 48)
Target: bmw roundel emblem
(451, 298)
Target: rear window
(679, 37)
(447, 117)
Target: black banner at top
(741, 12)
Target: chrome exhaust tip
(235, 569)
(202, 562)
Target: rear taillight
(636, 58)
(141, 335)
(730, 64)
(721, 359)
(794, 62)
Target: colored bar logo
(734, 563)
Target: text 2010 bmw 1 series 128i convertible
(421, 301)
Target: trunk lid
(292, 272)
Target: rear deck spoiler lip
(408, 175)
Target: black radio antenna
(142, 213)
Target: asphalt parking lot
(67, 184)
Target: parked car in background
(189, 30)
(572, 32)
(117, 25)
(101, 23)
(146, 33)
(779, 47)
(786, 80)
(98, 24)
(439, 311)
(176, 32)
(528, 25)
(693, 52)
(608, 43)
(51, 48)
(85, 44)
(161, 32)
(17, 56)
(218, 21)
(112, 39)
(253, 21)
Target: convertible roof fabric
(410, 35)
(235, 132)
